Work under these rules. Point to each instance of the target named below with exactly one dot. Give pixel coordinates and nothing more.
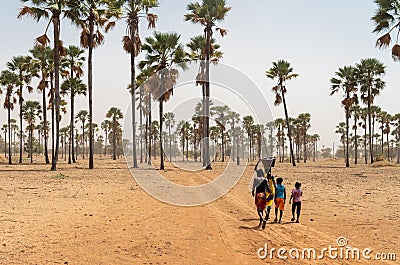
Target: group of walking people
(268, 192)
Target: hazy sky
(316, 37)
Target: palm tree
(8, 80)
(73, 86)
(31, 110)
(368, 73)
(51, 10)
(133, 11)
(106, 126)
(21, 66)
(169, 119)
(82, 116)
(42, 56)
(248, 122)
(345, 79)
(208, 13)
(73, 60)
(162, 51)
(387, 18)
(92, 16)
(115, 115)
(282, 71)
(304, 119)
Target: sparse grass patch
(60, 176)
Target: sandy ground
(102, 216)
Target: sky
(316, 37)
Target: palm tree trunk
(305, 146)
(370, 126)
(288, 125)
(347, 135)
(83, 140)
(57, 99)
(382, 139)
(52, 115)
(20, 125)
(31, 142)
(355, 142)
(237, 151)
(114, 140)
(170, 143)
(105, 145)
(90, 90)
(398, 144)
(46, 155)
(149, 132)
(9, 135)
(194, 143)
(206, 106)
(365, 144)
(161, 110)
(388, 146)
(72, 128)
(133, 87)
(141, 126)
(223, 144)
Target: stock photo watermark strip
(340, 251)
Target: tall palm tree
(282, 71)
(52, 11)
(304, 119)
(169, 119)
(72, 86)
(82, 116)
(163, 50)
(345, 79)
(368, 73)
(115, 115)
(43, 58)
(31, 111)
(73, 61)
(387, 18)
(248, 122)
(92, 16)
(22, 67)
(133, 11)
(105, 126)
(8, 80)
(207, 13)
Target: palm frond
(396, 52)
(384, 41)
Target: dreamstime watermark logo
(342, 251)
(228, 87)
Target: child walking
(297, 192)
(280, 199)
